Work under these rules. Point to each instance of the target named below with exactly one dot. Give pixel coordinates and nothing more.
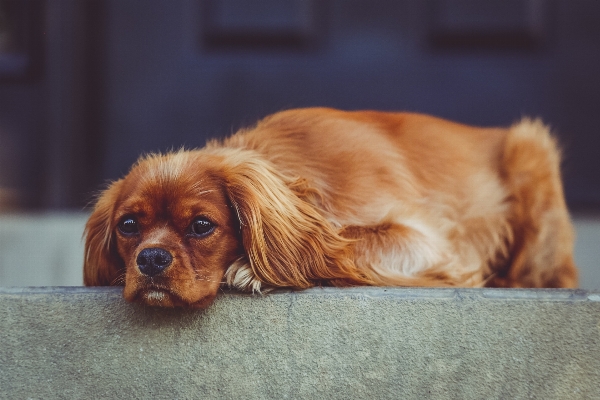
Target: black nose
(153, 261)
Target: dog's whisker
(206, 279)
(119, 280)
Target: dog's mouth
(161, 296)
(156, 297)
(152, 292)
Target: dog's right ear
(287, 242)
(102, 265)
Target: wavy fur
(102, 265)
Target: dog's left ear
(102, 264)
(288, 243)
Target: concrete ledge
(319, 343)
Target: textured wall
(319, 343)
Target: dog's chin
(160, 297)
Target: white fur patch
(422, 249)
(154, 296)
(240, 276)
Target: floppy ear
(102, 265)
(288, 243)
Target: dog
(323, 197)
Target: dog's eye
(128, 226)
(201, 226)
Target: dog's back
(427, 197)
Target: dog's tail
(543, 235)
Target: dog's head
(173, 228)
(166, 231)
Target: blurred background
(87, 86)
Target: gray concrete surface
(46, 249)
(363, 343)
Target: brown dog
(325, 197)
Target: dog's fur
(325, 197)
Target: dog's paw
(240, 276)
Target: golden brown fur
(325, 197)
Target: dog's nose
(153, 261)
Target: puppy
(318, 196)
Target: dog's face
(172, 232)
(175, 242)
